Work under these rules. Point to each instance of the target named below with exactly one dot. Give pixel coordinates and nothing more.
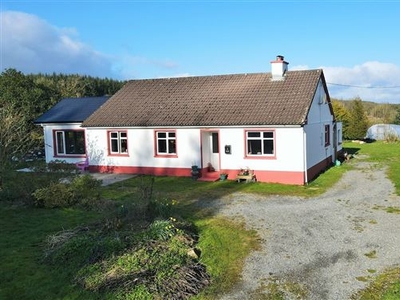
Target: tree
(383, 113)
(342, 114)
(397, 116)
(358, 121)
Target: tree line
(357, 116)
(23, 98)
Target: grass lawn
(24, 230)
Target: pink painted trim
(296, 178)
(180, 172)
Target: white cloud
(31, 45)
(371, 81)
(127, 66)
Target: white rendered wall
(319, 116)
(288, 150)
(141, 149)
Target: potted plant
(195, 172)
(223, 176)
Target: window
(166, 142)
(260, 143)
(70, 142)
(118, 142)
(215, 142)
(327, 135)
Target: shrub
(61, 166)
(391, 137)
(19, 186)
(83, 190)
(55, 195)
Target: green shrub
(83, 190)
(19, 186)
(55, 195)
(61, 166)
(86, 190)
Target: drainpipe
(305, 156)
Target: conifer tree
(358, 121)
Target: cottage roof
(220, 100)
(72, 110)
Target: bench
(246, 175)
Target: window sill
(70, 155)
(260, 157)
(166, 156)
(119, 154)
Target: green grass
(23, 275)
(224, 244)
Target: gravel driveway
(326, 247)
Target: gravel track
(325, 247)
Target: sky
(356, 43)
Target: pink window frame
(109, 142)
(262, 156)
(65, 155)
(166, 155)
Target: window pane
(162, 135)
(74, 142)
(114, 135)
(60, 142)
(124, 146)
(171, 134)
(123, 134)
(162, 146)
(268, 134)
(114, 145)
(171, 146)
(253, 134)
(254, 147)
(79, 142)
(215, 142)
(268, 147)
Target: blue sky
(356, 43)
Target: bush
(55, 195)
(19, 186)
(83, 190)
(61, 166)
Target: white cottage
(281, 125)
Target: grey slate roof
(72, 110)
(221, 100)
